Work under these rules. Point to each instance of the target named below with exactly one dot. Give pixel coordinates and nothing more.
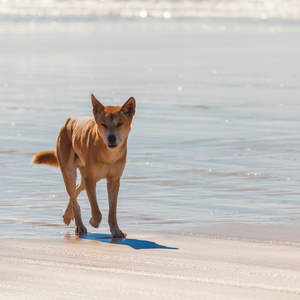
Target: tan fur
(98, 148)
(46, 157)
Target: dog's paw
(68, 215)
(80, 229)
(120, 234)
(67, 219)
(95, 222)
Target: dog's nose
(111, 139)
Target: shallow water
(215, 139)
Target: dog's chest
(114, 170)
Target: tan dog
(98, 147)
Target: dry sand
(150, 266)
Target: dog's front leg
(113, 186)
(90, 186)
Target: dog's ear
(129, 107)
(98, 108)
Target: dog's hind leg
(66, 158)
(70, 182)
(69, 214)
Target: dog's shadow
(133, 243)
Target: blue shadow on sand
(133, 243)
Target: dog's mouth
(112, 146)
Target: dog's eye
(105, 126)
(119, 124)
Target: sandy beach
(149, 266)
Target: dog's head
(114, 122)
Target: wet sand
(149, 266)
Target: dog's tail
(47, 158)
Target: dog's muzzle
(112, 141)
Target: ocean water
(286, 9)
(215, 139)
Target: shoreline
(268, 233)
(151, 265)
(281, 234)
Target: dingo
(98, 147)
